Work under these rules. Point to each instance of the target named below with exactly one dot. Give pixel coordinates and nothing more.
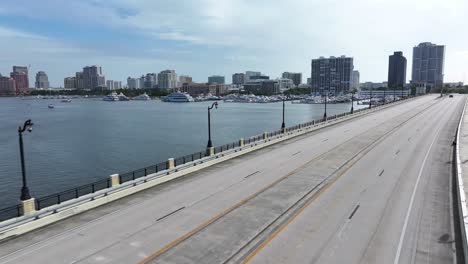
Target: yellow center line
(243, 201)
(317, 195)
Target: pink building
(7, 86)
(22, 82)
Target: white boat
(178, 97)
(122, 97)
(51, 106)
(142, 97)
(111, 97)
(65, 101)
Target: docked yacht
(111, 97)
(122, 97)
(178, 97)
(142, 97)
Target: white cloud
(280, 35)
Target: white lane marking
(408, 212)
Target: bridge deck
(346, 192)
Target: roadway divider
(59, 206)
(461, 197)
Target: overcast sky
(207, 37)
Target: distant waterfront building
(93, 77)
(428, 64)
(396, 70)
(285, 84)
(331, 75)
(355, 80)
(296, 77)
(42, 81)
(259, 77)
(264, 87)
(69, 83)
(309, 81)
(113, 85)
(216, 79)
(7, 86)
(167, 79)
(250, 74)
(195, 89)
(238, 78)
(373, 85)
(150, 81)
(20, 74)
(453, 84)
(79, 80)
(133, 83)
(184, 79)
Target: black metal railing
(70, 194)
(10, 212)
(57, 198)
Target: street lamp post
(325, 113)
(384, 95)
(24, 190)
(283, 125)
(370, 99)
(215, 104)
(352, 102)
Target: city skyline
(213, 40)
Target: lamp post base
(25, 193)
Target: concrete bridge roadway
(376, 189)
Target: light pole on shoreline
(215, 104)
(283, 125)
(370, 98)
(352, 101)
(325, 112)
(24, 190)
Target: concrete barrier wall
(52, 214)
(461, 197)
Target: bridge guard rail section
(80, 199)
(461, 197)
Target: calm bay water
(87, 140)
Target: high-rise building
(93, 77)
(285, 84)
(216, 79)
(428, 64)
(150, 80)
(113, 85)
(249, 74)
(355, 80)
(20, 69)
(296, 77)
(238, 78)
(20, 74)
(184, 79)
(7, 86)
(133, 83)
(69, 83)
(79, 79)
(331, 75)
(396, 70)
(167, 79)
(42, 81)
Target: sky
(220, 37)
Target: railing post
(241, 142)
(265, 135)
(29, 207)
(170, 163)
(115, 180)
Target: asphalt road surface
(376, 189)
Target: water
(86, 140)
